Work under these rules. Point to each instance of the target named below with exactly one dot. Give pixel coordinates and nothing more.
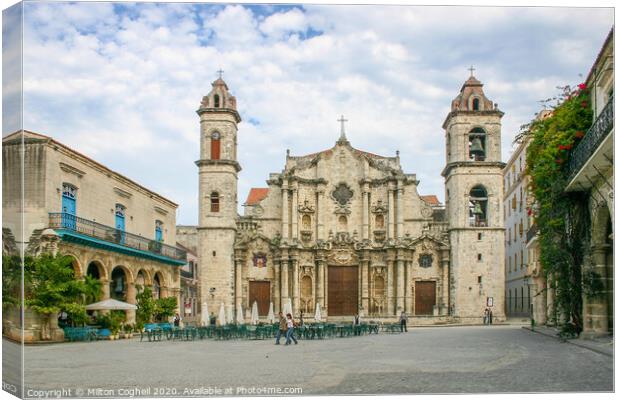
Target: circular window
(215, 136)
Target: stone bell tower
(217, 187)
(473, 182)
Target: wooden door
(342, 291)
(260, 292)
(424, 297)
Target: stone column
(408, 275)
(365, 212)
(400, 281)
(238, 283)
(596, 321)
(294, 217)
(390, 221)
(400, 217)
(321, 213)
(390, 287)
(364, 265)
(285, 229)
(320, 286)
(284, 295)
(105, 289)
(445, 269)
(296, 308)
(131, 299)
(276, 286)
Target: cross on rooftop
(471, 70)
(220, 72)
(343, 137)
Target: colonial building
(114, 229)
(347, 231)
(592, 171)
(190, 288)
(518, 291)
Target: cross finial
(471, 70)
(342, 121)
(220, 72)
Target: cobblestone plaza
(425, 360)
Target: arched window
(156, 287)
(306, 222)
(216, 100)
(215, 146)
(215, 202)
(477, 144)
(342, 223)
(478, 201)
(380, 221)
(475, 104)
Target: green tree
(562, 217)
(146, 307)
(165, 308)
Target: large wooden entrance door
(342, 291)
(261, 294)
(424, 297)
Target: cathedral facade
(346, 230)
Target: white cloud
(123, 86)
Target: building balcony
(82, 231)
(594, 154)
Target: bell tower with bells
(473, 183)
(218, 169)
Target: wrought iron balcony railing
(592, 139)
(533, 231)
(73, 223)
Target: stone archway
(120, 279)
(158, 285)
(598, 308)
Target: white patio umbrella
(254, 318)
(221, 318)
(289, 306)
(271, 316)
(230, 317)
(240, 320)
(110, 304)
(317, 313)
(204, 314)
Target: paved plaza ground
(425, 360)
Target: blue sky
(121, 82)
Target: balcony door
(120, 223)
(68, 206)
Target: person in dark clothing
(212, 319)
(403, 321)
(177, 320)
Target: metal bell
(476, 147)
(477, 209)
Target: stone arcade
(347, 230)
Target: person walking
(490, 317)
(403, 321)
(356, 325)
(290, 333)
(485, 317)
(177, 320)
(282, 328)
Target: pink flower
(582, 86)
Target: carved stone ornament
(306, 208)
(342, 194)
(379, 208)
